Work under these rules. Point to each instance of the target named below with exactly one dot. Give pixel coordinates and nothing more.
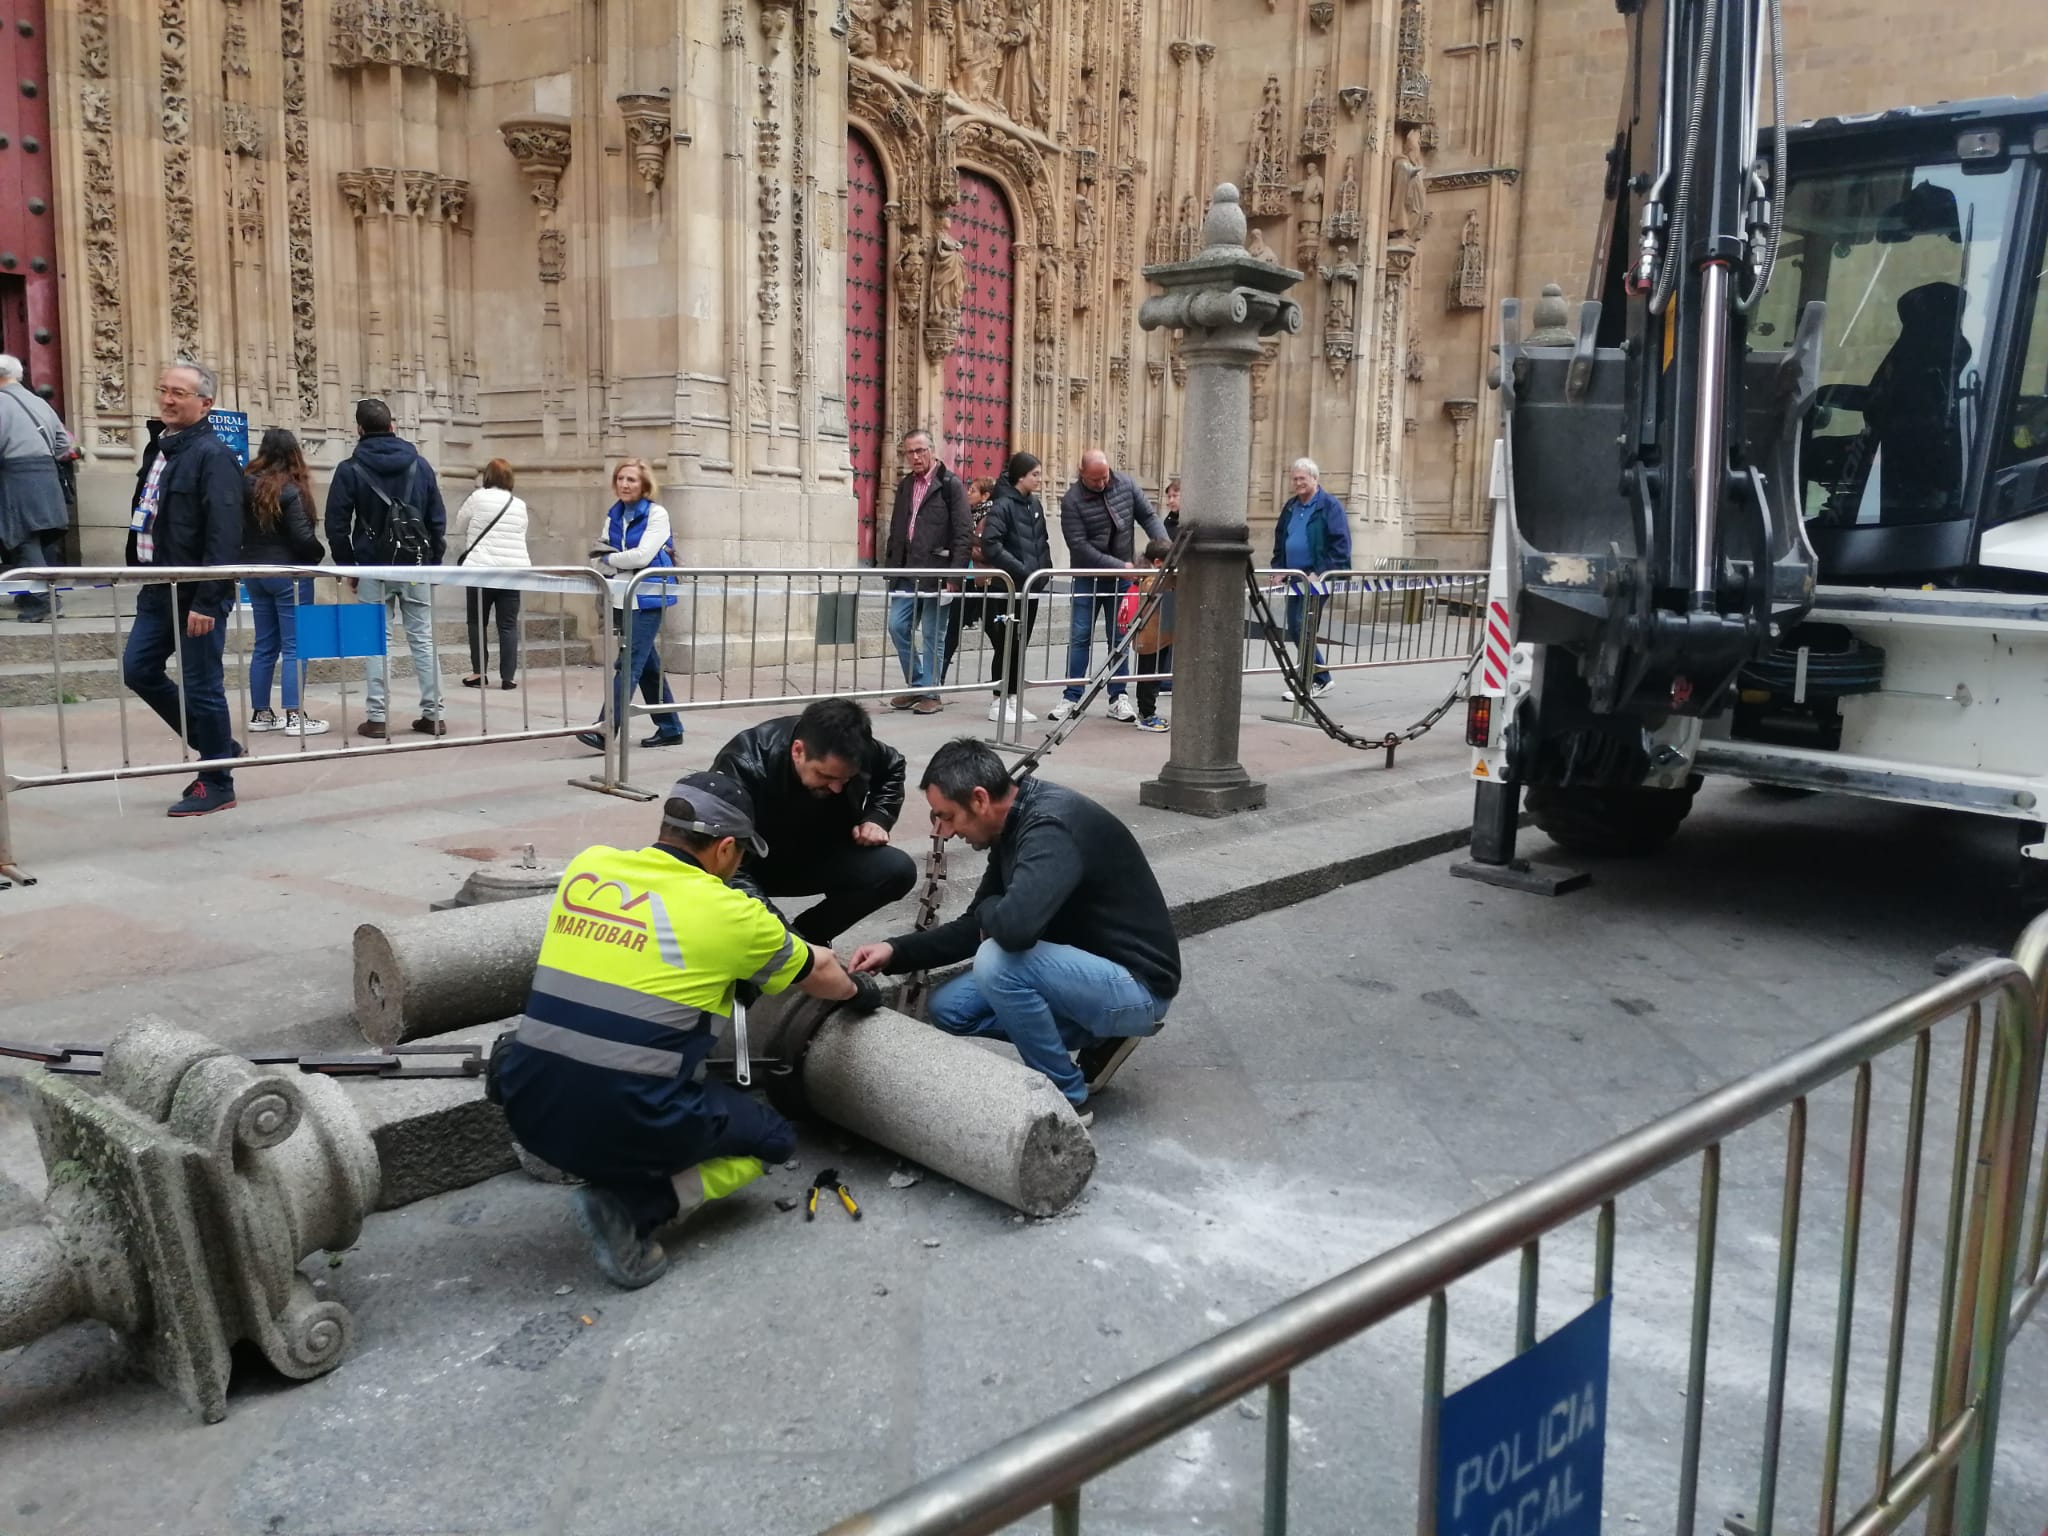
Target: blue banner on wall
(1520, 1451)
(232, 428)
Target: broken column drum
(1221, 302)
(186, 1186)
(447, 970)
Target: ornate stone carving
(1262, 377)
(1411, 85)
(892, 33)
(1322, 13)
(910, 262)
(1461, 181)
(102, 235)
(1344, 222)
(1406, 209)
(173, 76)
(540, 145)
(1255, 243)
(181, 252)
(1177, 365)
(977, 50)
(732, 27)
(1187, 238)
(1087, 109)
(775, 23)
(94, 54)
(1161, 246)
(1468, 277)
(1022, 80)
(454, 198)
(1315, 120)
(249, 209)
(241, 131)
(1265, 193)
(949, 294)
(1086, 232)
(554, 256)
(944, 181)
(860, 28)
(234, 46)
(1124, 221)
(412, 34)
(1340, 316)
(648, 136)
(1045, 314)
(1356, 99)
(1308, 228)
(298, 204)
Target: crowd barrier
(1937, 1464)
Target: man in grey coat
(33, 515)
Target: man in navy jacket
(1097, 516)
(187, 511)
(1312, 535)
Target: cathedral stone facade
(755, 241)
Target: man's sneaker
(1121, 708)
(658, 740)
(373, 729)
(623, 1257)
(203, 799)
(1084, 1114)
(1153, 723)
(592, 739)
(1066, 709)
(1098, 1062)
(428, 727)
(297, 723)
(928, 705)
(1010, 710)
(265, 720)
(1319, 689)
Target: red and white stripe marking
(1494, 668)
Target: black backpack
(403, 538)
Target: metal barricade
(739, 637)
(1947, 1468)
(93, 624)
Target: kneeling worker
(825, 795)
(1073, 948)
(606, 1074)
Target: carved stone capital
(1205, 54)
(540, 145)
(648, 136)
(1181, 50)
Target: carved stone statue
(1046, 323)
(1308, 237)
(1084, 247)
(910, 278)
(975, 50)
(1407, 202)
(860, 29)
(1087, 110)
(1266, 172)
(1342, 275)
(892, 35)
(1468, 278)
(949, 277)
(1022, 87)
(1255, 243)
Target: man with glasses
(188, 511)
(930, 526)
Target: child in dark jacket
(1154, 644)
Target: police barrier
(342, 639)
(1942, 1468)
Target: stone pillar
(1223, 302)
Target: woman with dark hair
(277, 529)
(1014, 540)
(490, 530)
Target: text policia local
(1523, 1457)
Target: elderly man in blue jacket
(1312, 535)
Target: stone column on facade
(540, 145)
(1223, 302)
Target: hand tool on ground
(828, 1178)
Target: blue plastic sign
(232, 428)
(1520, 1451)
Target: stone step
(100, 677)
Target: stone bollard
(185, 1188)
(422, 976)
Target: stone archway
(975, 414)
(867, 328)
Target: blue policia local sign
(1520, 1450)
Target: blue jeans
(158, 633)
(915, 628)
(1093, 595)
(415, 600)
(274, 604)
(1049, 1001)
(1294, 617)
(639, 661)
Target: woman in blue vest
(636, 536)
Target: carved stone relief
(910, 263)
(1411, 83)
(181, 251)
(298, 197)
(1468, 277)
(977, 50)
(1322, 13)
(892, 33)
(1407, 208)
(647, 137)
(1187, 238)
(241, 131)
(234, 51)
(1308, 229)
(1022, 78)
(1315, 120)
(948, 294)
(1340, 314)
(1344, 222)
(540, 147)
(1266, 173)
(412, 34)
(102, 235)
(1086, 231)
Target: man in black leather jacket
(825, 795)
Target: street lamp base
(1203, 799)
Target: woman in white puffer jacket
(490, 530)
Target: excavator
(1776, 506)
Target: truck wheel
(1616, 820)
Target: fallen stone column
(420, 976)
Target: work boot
(623, 1256)
(1099, 1062)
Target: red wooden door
(28, 225)
(976, 414)
(867, 307)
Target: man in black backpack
(384, 508)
